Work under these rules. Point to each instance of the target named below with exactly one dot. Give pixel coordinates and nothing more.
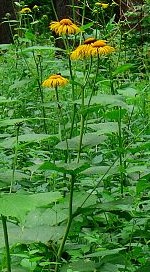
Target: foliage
(74, 177)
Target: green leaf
(100, 170)
(12, 122)
(18, 205)
(79, 266)
(69, 168)
(123, 68)
(27, 138)
(106, 252)
(44, 233)
(41, 48)
(89, 140)
(123, 204)
(128, 92)
(84, 27)
(105, 99)
(104, 128)
(6, 176)
(4, 100)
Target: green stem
(4, 223)
(15, 156)
(72, 78)
(73, 119)
(39, 81)
(120, 152)
(54, 10)
(70, 217)
(81, 136)
(83, 17)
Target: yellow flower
(25, 10)
(103, 5)
(82, 50)
(100, 48)
(55, 80)
(64, 27)
(35, 7)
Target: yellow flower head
(100, 48)
(64, 27)
(82, 50)
(25, 10)
(35, 7)
(55, 80)
(103, 5)
(89, 40)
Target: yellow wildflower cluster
(54, 81)
(25, 11)
(64, 27)
(91, 48)
(103, 5)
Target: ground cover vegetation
(75, 139)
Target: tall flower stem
(121, 155)
(70, 217)
(15, 155)
(39, 81)
(72, 79)
(4, 223)
(94, 83)
(81, 136)
(62, 119)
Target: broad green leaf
(44, 233)
(49, 216)
(27, 138)
(89, 140)
(128, 92)
(143, 184)
(144, 268)
(79, 266)
(70, 168)
(123, 204)
(6, 176)
(105, 99)
(123, 68)
(104, 128)
(41, 48)
(100, 170)
(11, 122)
(5, 100)
(84, 27)
(109, 267)
(19, 84)
(138, 168)
(106, 252)
(18, 205)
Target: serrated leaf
(123, 204)
(70, 168)
(27, 138)
(4, 100)
(123, 68)
(105, 99)
(18, 205)
(11, 122)
(128, 92)
(24, 235)
(104, 128)
(89, 140)
(84, 27)
(106, 252)
(6, 176)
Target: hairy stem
(4, 223)
(70, 217)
